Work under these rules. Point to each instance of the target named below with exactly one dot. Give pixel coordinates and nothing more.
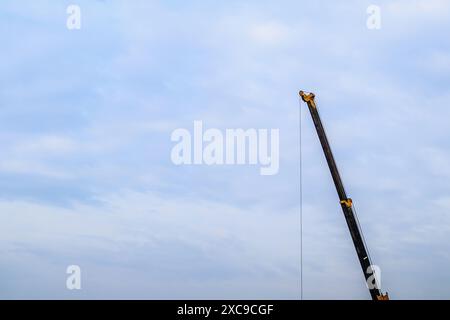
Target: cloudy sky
(86, 176)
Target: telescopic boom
(346, 203)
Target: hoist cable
(301, 197)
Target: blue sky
(85, 170)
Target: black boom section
(346, 203)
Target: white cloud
(156, 236)
(269, 33)
(46, 144)
(437, 62)
(419, 8)
(16, 166)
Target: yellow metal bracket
(308, 98)
(347, 202)
(383, 297)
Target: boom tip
(306, 96)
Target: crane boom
(345, 202)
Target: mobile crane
(346, 203)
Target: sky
(86, 177)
